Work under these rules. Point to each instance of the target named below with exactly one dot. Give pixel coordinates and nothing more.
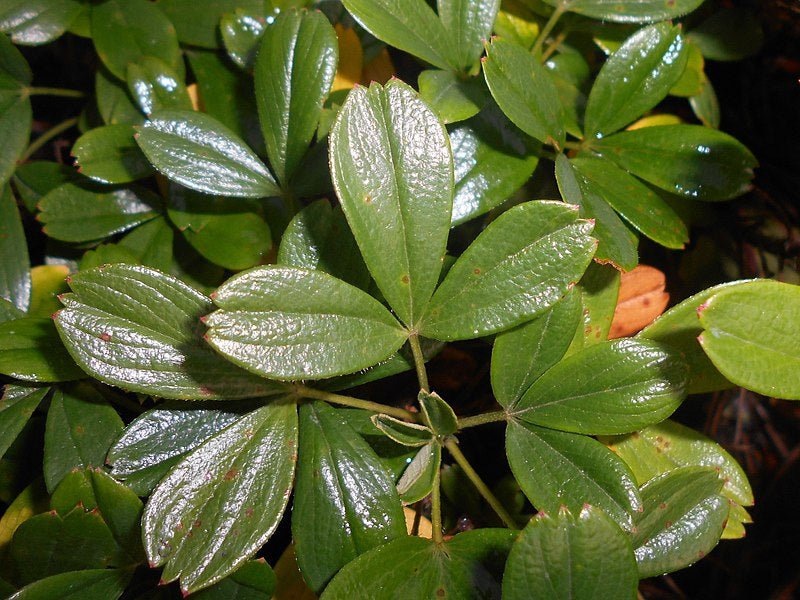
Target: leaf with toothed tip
(222, 502)
(629, 11)
(469, 23)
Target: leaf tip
(700, 339)
(213, 295)
(700, 309)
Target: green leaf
(318, 238)
(437, 413)
(637, 203)
(151, 244)
(682, 520)
(669, 445)
(679, 328)
(556, 469)
(155, 86)
(124, 31)
(241, 33)
(9, 312)
(419, 476)
(36, 22)
(110, 155)
(34, 179)
(15, 125)
(230, 232)
(635, 78)
(393, 172)
(492, 159)
(567, 556)
(705, 105)
(254, 580)
(30, 350)
(749, 333)
(293, 74)
(599, 290)
(31, 501)
(525, 91)
(525, 261)
(345, 503)
(199, 152)
(15, 275)
(688, 160)
(16, 407)
(450, 96)
(469, 24)
(81, 426)
(521, 355)
(611, 387)
(197, 21)
(415, 29)
(629, 11)
(291, 323)
(468, 566)
(139, 329)
(114, 103)
(407, 434)
(97, 584)
(12, 63)
(731, 33)
(617, 244)
(691, 82)
(222, 502)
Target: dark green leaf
(15, 276)
(525, 91)
(15, 125)
(12, 63)
(520, 265)
(16, 407)
(407, 434)
(254, 580)
(635, 78)
(469, 25)
(345, 503)
(241, 33)
(393, 172)
(35, 22)
(450, 96)
(599, 291)
(155, 86)
(201, 153)
(110, 155)
(571, 557)
(124, 31)
(34, 179)
(629, 11)
(139, 329)
(121, 510)
(31, 350)
(97, 584)
(419, 476)
(437, 414)
(114, 103)
(291, 323)
(197, 21)
(151, 244)
(611, 387)
(731, 33)
(557, 469)
(293, 74)
(223, 501)
(688, 160)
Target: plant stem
(307, 392)
(490, 417)
(419, 362)
(455, 451)
(548, 27)
(51, 91)
(436, 508)
(554, 46)
(46, 137)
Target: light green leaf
(155, 86)
(635, 78)
(450, 96)
(629, 11)
(691, 82)
(437, 413)
(682, 520)
(15, 275)
(749, 333)
(705, 105)
(254, 580)
(197, 21)
(110, 155)
(525, 91)
(407, 434)
(241, 33)
(36, 22)
(97, 584)
(688, 160)
(222, 502)
(469, 25)
(30, 350)
(199, 152)
(293, 74)
(139, 329)
(419, 476)
(566, 556)
(393, 172)
(520, 265)
(16, 407)
(611, 387)
(291, 323)
(345, 503)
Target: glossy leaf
(293, 74)
(16, 407)
(254, 580)
(419, 476)
(223, 501)
(520, 265)
(599, 290)
(522, 354)
(629, 11)
(469, 23)
(437, 413)
(291, 323)
(110, 155)
(407, 434)
(635, 78)
(30, 350)
(114, 103)
(79, 213)
(97, 584)
(345, 503)
(450, 96)
(691, 82)
(492, 160)
(15, 125)
(687, 160)
(581, 557)
(682, 520)
(15, 278)
(525, 91)
(241, 33)
(123, 31)
(468, 566)
(201, 153)
(611, 387)
(749, 335)
(137, 328)
(155, 86)
(197, 21)
(393, 172)
(36, 22)
(557, 469)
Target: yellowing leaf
(47, 281)
(641, 299)
(351, 59)
(380, 69)
(654, 121)
(194, 96)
